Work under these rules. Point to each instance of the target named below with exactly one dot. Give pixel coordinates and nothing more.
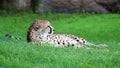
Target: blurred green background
(97, 21)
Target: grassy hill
(98, 29)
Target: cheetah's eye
(36, 27)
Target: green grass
(98, 29)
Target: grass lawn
(96, 28)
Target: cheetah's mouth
(50, 30)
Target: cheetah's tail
(96, 45)
(89, 44)
(12, 37)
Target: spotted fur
(41, 32)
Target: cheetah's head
(41, 28)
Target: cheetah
(41, 32)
